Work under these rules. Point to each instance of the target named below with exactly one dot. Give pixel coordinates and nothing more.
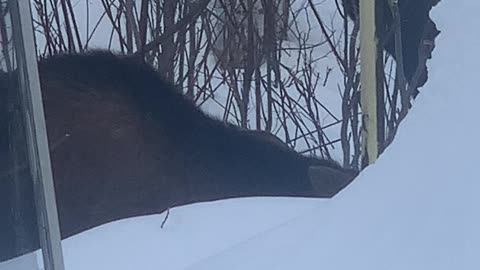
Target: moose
(124, 143)
(418, 34)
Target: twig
(165, 219)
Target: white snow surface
(416, 208)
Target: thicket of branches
(237, 55)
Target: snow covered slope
(418, 207)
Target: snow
(191, 234)
(416, 208)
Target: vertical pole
(368, 52)
(39, 156)
(380, 30)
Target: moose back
(125, 143)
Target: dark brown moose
(125, 143)
(418, 34)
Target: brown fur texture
(125, 143)
(418, 34)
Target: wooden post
(368, 53)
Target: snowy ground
(416, 208)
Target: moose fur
(417, 29)
(125, 143)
